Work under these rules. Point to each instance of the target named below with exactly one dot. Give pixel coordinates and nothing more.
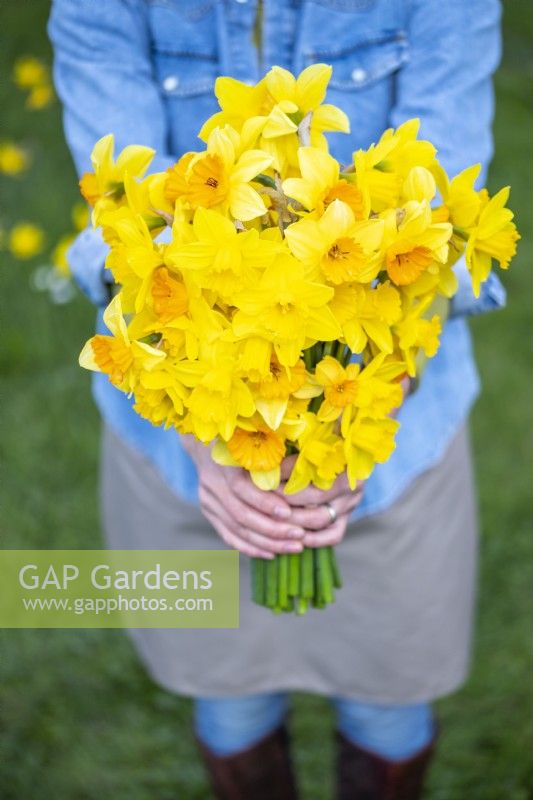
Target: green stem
(325, 574)
(294, 574)
(283, 580)
(337, 578)
(258, 580)
(272, 582)
(307, 574)
(301, 605)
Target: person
(398, 636)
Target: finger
(247, 517)
(269, 503)
(242, 518)
(271, 545)
(312, 517)
(287, 466)
(329, 536)
(234, 541)
(250, 535)
(314, 496)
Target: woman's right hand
(255, 522)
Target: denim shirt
(145, 70)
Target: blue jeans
(227, 725)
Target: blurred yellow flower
(13, 158)
(80, 216)
(59, 254)
(29, 71)
(33, 75)
(40, 97)
(26, 240)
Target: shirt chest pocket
(365, 65)
(184, 45)
(360, 63)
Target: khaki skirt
(399, 631)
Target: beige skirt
(399, 631)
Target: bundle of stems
(297, 581)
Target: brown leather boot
(362, 775)
(263, 772)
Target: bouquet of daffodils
(291, 294)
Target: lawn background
(79, 720)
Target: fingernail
(293, 547)
(282, 512)
(295, 533)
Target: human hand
(324, 514)
(255, 522)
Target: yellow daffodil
(493, 237)
(366, 314)
(271, 112)
(419, 185)
(220, 177)
(116, 355)
(218, 398)
(320, 183)
(159, 396)
(26, 240)
(273, 391)
(417, 334)
(257, 449)
(141, 254)
(277, 269)
(286, 309)
(413, 243)
(367, 442)
(221, 259)
(461, 202)
(344, 250)
(106, 183)
(381, 170)
(320, 459)
(372, 388)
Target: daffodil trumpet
(289, 295)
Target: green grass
(79, 719)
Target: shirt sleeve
(103, 76)
(454, 49)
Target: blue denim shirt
(145, 70)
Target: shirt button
(358, 75)
(170, 83)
